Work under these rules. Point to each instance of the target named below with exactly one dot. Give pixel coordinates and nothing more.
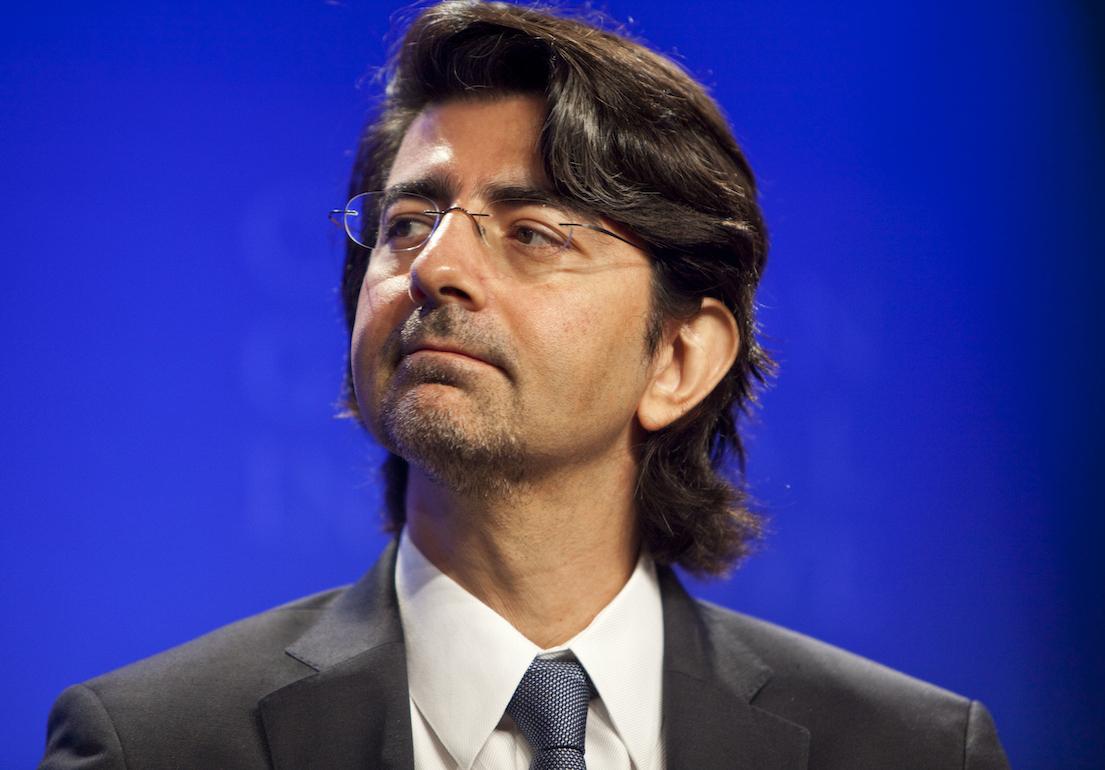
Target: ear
(690, 363)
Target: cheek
(382, 292)
(556, 330)
(380, 309)
(590, 347)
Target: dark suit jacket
(322, 683)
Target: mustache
(450, 325)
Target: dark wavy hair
(631, 137)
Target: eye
(406, 230)
(537, 239)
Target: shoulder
(203, 692)
(241, 654)
(800, 661)
(854, 708)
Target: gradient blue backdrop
(172, 342)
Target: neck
(547, 557)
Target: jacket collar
(710, 679)
(352, 708)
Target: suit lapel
(710, 677)
(352, 709)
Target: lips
(452, 348)
(450, 330)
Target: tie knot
(550, 709)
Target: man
(555, 244)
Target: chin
(461, 447)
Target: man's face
(470, 367)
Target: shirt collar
(464, 660)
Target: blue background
(173, 347)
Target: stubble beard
(470, 447)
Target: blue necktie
(550, 709)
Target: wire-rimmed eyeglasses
(525, 232)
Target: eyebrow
(497, 193)
(438, 187)
(502, 193)
(442, 189)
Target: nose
(450, 266)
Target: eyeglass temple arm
(602, 230)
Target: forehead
(475, 143)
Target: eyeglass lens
(525, 236)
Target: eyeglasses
(527, 235)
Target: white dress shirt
(464, 662)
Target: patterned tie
(550, 709)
